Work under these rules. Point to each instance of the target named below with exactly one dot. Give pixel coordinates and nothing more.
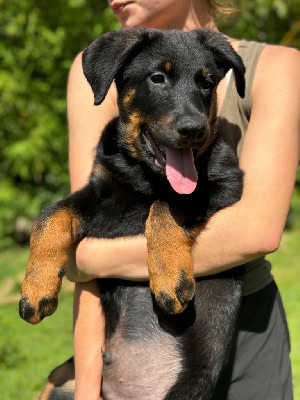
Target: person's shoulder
(280, 54)
(77, 62)
(78, 84)
(76, 71)
(278, 66)
(279, 58)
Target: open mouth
(179, 165)
(157, 151)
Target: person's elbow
(264, 241)
(271, 243)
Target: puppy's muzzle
(190, 127)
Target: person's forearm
(88, 341)
(124, 258)
(230, 238)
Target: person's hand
(122, 258)
(75, 274)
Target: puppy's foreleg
(58, 227)
(169, 259)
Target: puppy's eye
(158, 78)
(205, 82)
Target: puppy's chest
(120, 214)
(124, 213)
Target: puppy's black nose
(189, 127)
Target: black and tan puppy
(161, 169)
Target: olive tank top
(234, 119)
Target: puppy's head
(166, 82)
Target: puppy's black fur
(166, 83)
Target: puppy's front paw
(39, 295)
(173, 296)
(35, 313)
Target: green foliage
(38, 42)
(271, 21)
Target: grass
(28, 353)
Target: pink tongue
(181, 171)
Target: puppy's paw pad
(169, 303)
(175, 299)
(166, 302)
(47, 306)
(27, 311)
(34, 315)
(185, 288)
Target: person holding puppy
(268, 118)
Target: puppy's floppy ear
(225, 56)
(102, 60)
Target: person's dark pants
(260, 367)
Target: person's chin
(132, 17)
(132, 22)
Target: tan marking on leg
(47, 391)
(62, 374)
(169, 253)
(49, 243)
(62, 379)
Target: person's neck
(198, 17)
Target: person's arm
(88, 341)
(85, 124)
(270, 154)
(253, 226)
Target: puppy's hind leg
(60, 383)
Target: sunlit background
(38, 41)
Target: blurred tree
(38, 41)
(271, 21)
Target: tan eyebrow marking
(168, 66)
(204, 73)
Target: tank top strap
(235, 111)
(249, 52)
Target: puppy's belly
(141, 361)
(140, 370)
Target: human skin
(163, 14)
(249, 229)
